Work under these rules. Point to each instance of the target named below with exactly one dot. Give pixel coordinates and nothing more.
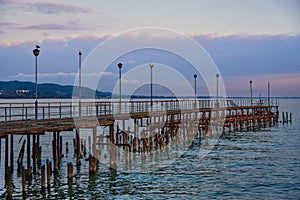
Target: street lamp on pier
(217, 95)
(151, 65)
(36, 52)
(120, 91)
(80, 88)
(250, 91)
(195, 90)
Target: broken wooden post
(67, 148)
(48, 164)
(20, 158)
(9, 184)
(6, 159)
(43, 177)
(28, 156)
(77, 148)
(93, 164)
(12, 152)
(23, 180)
(54, 156)
(70, 172)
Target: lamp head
(120, 65)
(195, 75)
(36, 52)
(151, 65)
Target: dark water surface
(264, 164)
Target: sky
(256, 40)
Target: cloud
(50, 27)
(239, 58)
(62, 74)
(284, 84)
(55, 8)
(127, 81)
(44, 7)
(6, 25)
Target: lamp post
(217, 95)
(151, 84)
(269, 94)
(36, 52)
(80, 88)
(250, 92)
(195, 88)
(120, 91)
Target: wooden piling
(39, 155)
(28, 156)
(60, 148)
(54, 152)
(70, 171)
(9, 184)
(89, 143)
(67, 148)
(84, 148)
(34, 153)
(77, 148)
(6, 159)
(20, 158)
(48, 164)
(93, 164)
(94, 140)
(43, 177)
(23, 179)
(12, 152)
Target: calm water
(243, 165)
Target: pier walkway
(134, 127)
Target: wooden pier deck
(151, 128)
(18, 118)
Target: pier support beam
(28, 155)
(12, 152)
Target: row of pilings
(148, 134)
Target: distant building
(22, 91)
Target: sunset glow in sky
(255, 40)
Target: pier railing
(61, 110)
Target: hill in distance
(20, 89)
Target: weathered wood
(43, 177)
(48, 164)
(93, 164)
(20, 158)
(70, 172)
(12, 152)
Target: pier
(133, 127)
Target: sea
(258, 164)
